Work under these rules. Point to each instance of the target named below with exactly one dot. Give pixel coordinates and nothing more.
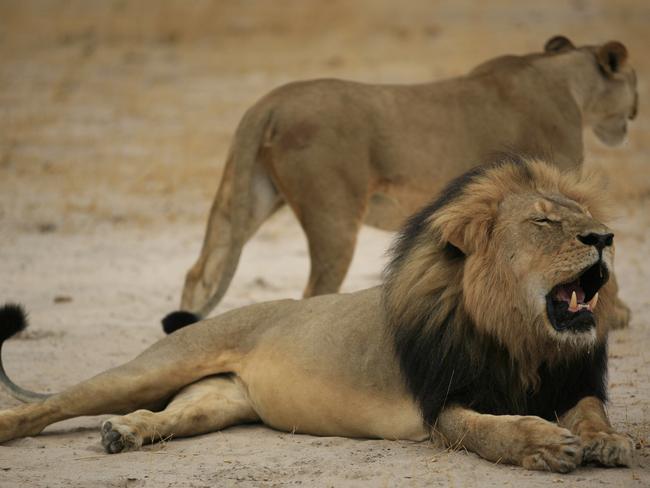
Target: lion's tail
(233, 218)
(13, 319)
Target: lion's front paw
(119, 438)
(549, 447)
(607, 448)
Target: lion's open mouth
(570, 305)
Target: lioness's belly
(288, 396)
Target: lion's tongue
(563, 293)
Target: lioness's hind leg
(330, 262)
(205, 406)
(331, 231)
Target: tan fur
(341, 153)
(327, 365)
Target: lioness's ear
(558, 44)
(611, 57)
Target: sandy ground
(114, 120)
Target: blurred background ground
(115, 118)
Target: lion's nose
(599, 241)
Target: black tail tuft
(178, 320)
(13, 319)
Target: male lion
(340, 152)
(487, 330)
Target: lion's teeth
(573, 305)
(593, 301)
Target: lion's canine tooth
(593, 301)
(573, 305)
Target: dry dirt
(114, 121)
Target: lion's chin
(570, 306)
(578, 322)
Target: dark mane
(455, 364)
(446, 360)
(414, 225)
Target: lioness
(341, 153)
(487, 330)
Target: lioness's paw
(119, 438)
(609, 449)
(549, 447)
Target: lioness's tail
(245, 199)
(13, 320)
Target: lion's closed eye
(544, 220)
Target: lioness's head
(608, 91)
(518, 250)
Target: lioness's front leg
(531, 442)
(600, 443)
(620, 313)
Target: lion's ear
(457, 240)
(611, 56)
(467, 227)
(558, 44)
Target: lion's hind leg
(528, 441)
(208, 405)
